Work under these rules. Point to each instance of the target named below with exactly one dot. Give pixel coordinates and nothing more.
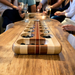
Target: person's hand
(22, 15)
(19, 9)
(58, 13)
(39, 6)
(69, 27)
(45, 12)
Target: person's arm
(40, 4)
(8, 4)
(69, 27)
(57, 4)
(59, 13)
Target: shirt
(44, 1)
(70, 12)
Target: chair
(7, 27)
(1, 22)
(71, 40)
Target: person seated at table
(59, 18)
(10, 12)
(53, 4)
(70, 13)
(31, 4)
(65, 4)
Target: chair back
(1, 22)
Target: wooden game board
(37, 38)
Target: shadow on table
(58, 57)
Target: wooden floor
(11, 64)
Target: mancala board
(37, 38)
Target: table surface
(12, 64)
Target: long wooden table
(11, 64)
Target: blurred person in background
(53, 4)
(69, 12)
(31, 4)
(11, 12)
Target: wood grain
(10, 64)
(42, 42)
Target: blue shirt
(29, 2)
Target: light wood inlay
(11, 64)
(41, 43)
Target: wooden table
(10, 64)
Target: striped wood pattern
(36, 44)
(10, 64)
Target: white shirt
(70, 12)
(3, 7)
